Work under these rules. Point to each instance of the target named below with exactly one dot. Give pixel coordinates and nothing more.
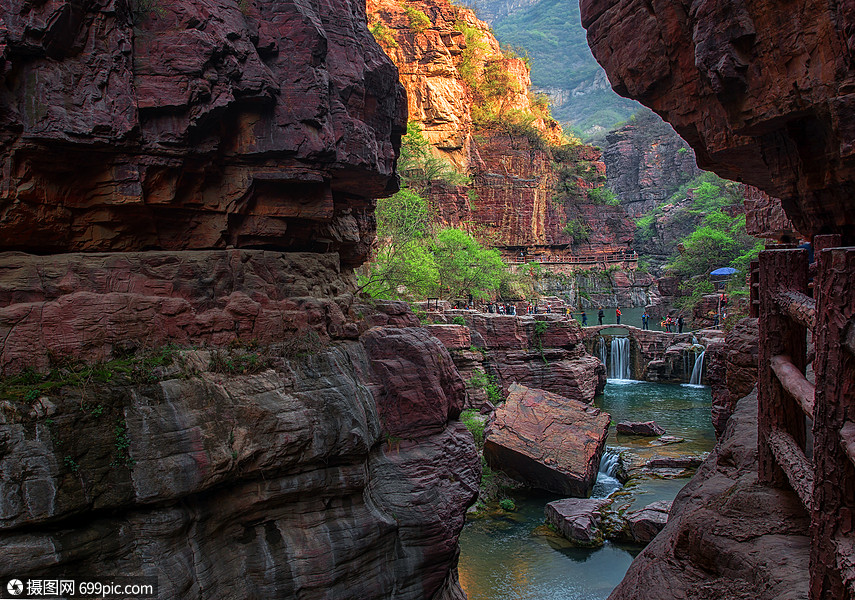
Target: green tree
(465, 267)
(402, 265)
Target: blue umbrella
(723, 271)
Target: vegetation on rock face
(717, 240)
(415, 258)
(420, 168)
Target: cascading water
(698, 370)
(619, 367)
(607, 481)
(601, 349)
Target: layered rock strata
(217, 162)
(578, 519)
(292, 469)
(646, 161)
(763, 94)
(543, 351)
(547, 441)
(733, 369)
(727, 536)
(193, 125)
(473, 103)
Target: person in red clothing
(617, 314)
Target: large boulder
(578, 519)
(547, 441)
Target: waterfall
(698, 369)
(601, 349)
(607, 481)
(619, 368)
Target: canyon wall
(530, 186)
(646, 162)
(761, 92)
(190, 389)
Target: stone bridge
(654, 355)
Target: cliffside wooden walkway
(807, 430)
(579, 259)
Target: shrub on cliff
(419, 168)
(414, 261)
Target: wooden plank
(794, 463)
(794, 382)
(798, 306)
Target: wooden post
(833, 518)
(754, 289)
(780, 270)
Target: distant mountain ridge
(562, 64)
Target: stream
(502, 557)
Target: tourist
(680, 324)
(600, 315)
(617, 315)
(584, 318)
(645, 320)
(715, 320)
(668, 324)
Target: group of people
(502, 309)
(669, 324)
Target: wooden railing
(577, 259)
(807, 431)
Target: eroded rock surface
(543, 352)
(578, 519)
(292, 469)
(644, 428)
(761, 91)
(194, 125)
(733, 369)
(547, 441)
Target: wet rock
(578, 519)
(667, 440)
(645, 428)
(547, 441)
(643, 524)
(674, 462)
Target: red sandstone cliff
(474, 105)
(193, 125)
(761, 91)
(225, 155)
(646, 162)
